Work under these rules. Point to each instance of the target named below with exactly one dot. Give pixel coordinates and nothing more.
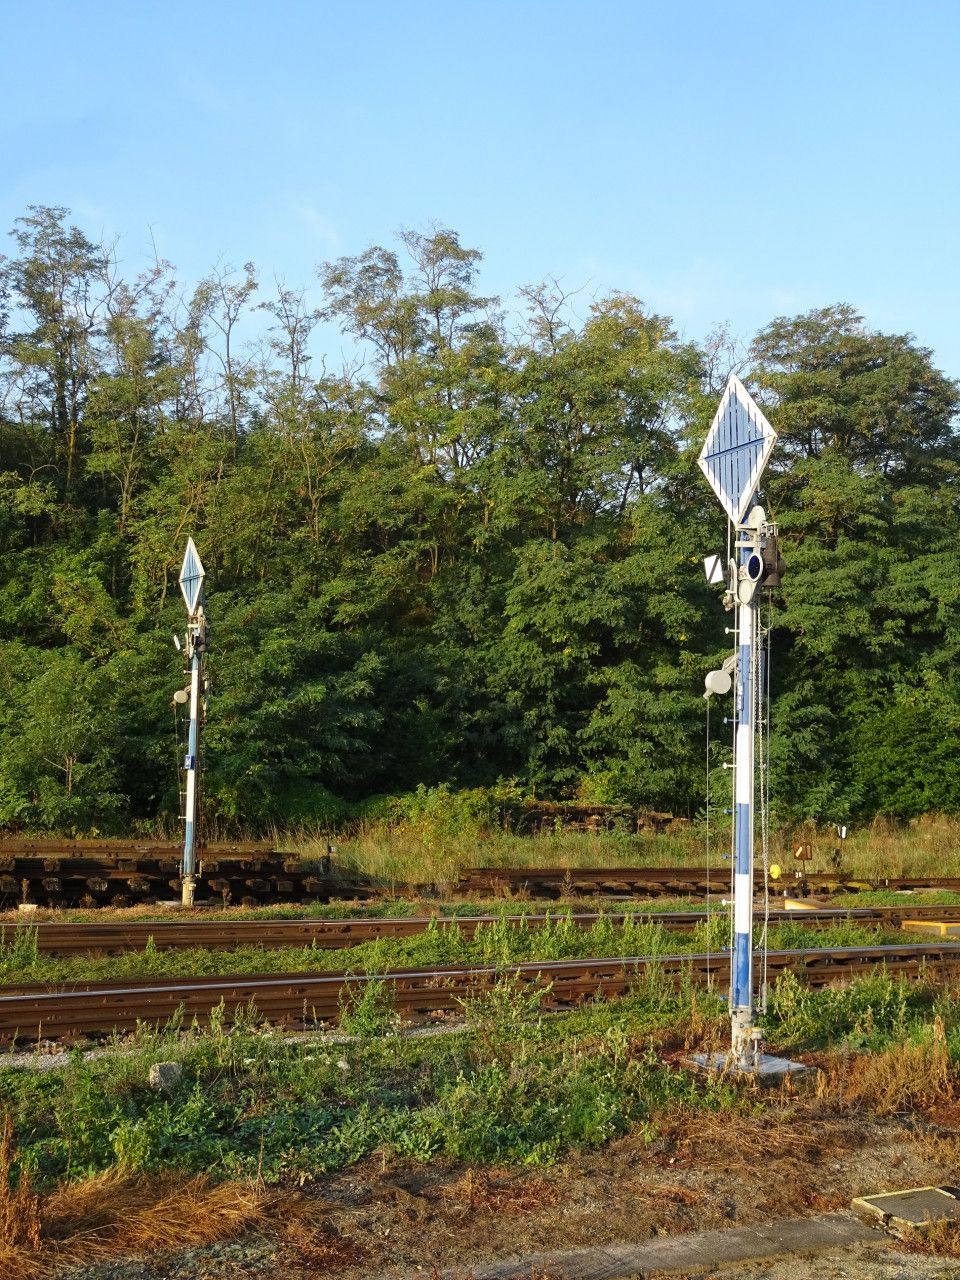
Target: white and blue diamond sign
(191, 578)
(736, 450)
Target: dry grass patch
(906, 1076)
(316, 1244)
(534, 1272)
(112, 1217)
(668, 1192)
(935, 1239)
(19, 1207)
(777, 1154)
(924, 846)
(504, 1194)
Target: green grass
(433, 851)
(794, 935)
(871, 1014)
(510, 1088)
(890, 898)
(431, 838)
(497, 943)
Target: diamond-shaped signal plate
(736, 450)
(191, 578)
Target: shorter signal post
(734, 456)
(191, 584)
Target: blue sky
(723, 161)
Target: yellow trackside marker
(940, 928)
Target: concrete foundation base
(768, 1070)
(918, 1207)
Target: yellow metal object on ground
(939, 928)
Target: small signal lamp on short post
(838, 851)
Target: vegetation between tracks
(500, 942)
(96, 1160)
(435, 835)
(510, 1087)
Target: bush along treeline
(474, 559)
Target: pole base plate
(765, 1070)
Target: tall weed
(18, 953)
(869, 1013)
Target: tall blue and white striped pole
(189, 870)
(741, 970)
(734, 455)
(191, 584)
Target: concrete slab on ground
(768, 1070)
(916, 1207)
(700, 1250)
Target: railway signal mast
(191, 584)
(734, 455)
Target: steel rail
(552, 881)
(34, 1013)
(116, 937)
(249, 878)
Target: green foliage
(59, 735)
(439, 811)
(794, 936)
(18, 952)
(366, 1009)
(501, 943)
(509, 1089)
(868, 1014)
(476, 559)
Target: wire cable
(734, 720)
(707, 843)
(759, 667)
(179, 747)
(763, 755)
(766, 763)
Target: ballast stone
(165, 1076)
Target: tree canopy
(474, 557)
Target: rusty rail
(116, 937)
(556, 882)
(34, 1013)
(249, 878)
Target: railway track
(97, 873)
(35, 1013)
(636, 882)
(114, 937)
(89, 874)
